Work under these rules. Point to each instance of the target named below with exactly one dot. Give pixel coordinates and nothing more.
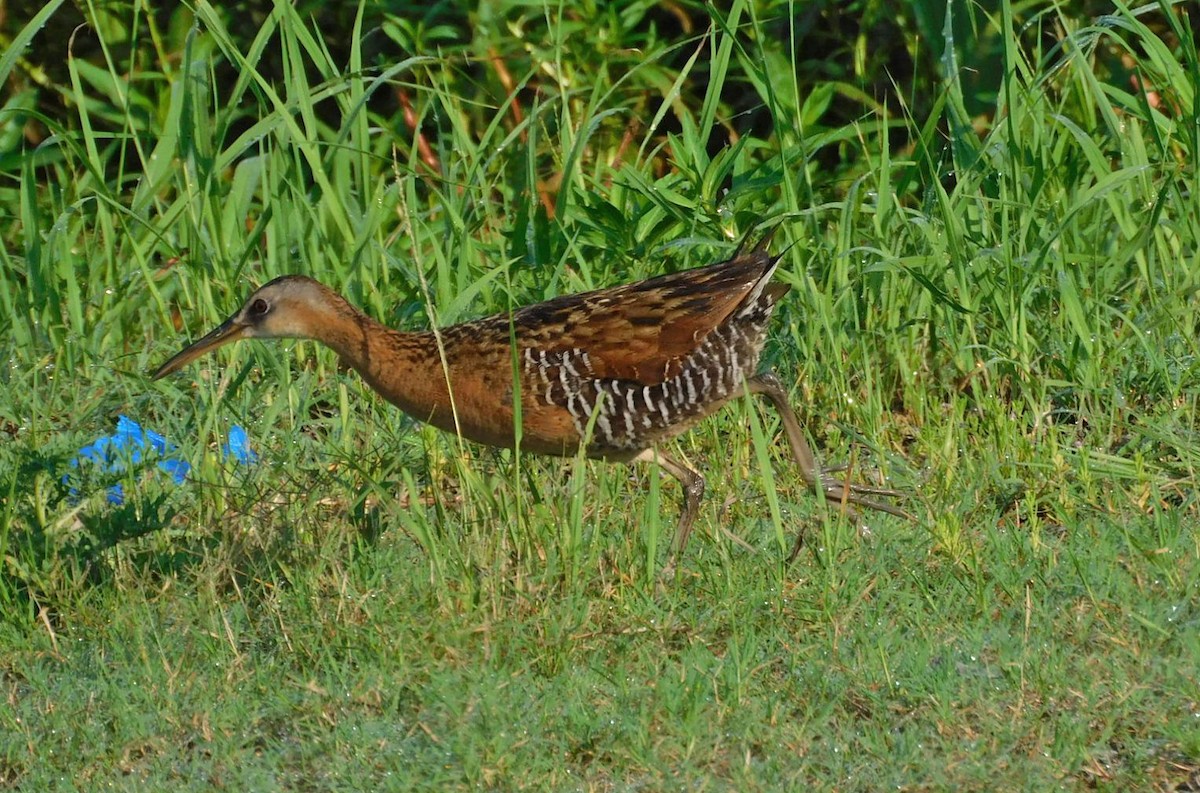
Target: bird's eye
(259, 307)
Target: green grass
(993, 307)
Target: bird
(614, 372)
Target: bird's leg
(693, 491)
(767, 384)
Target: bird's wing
(643, 332)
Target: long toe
(828, 482)
(840, 492)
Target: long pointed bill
(227, 331)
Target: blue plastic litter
(132, 443)
(238, 446)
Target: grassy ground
(993, 308)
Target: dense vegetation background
(993, 227)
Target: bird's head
(290, 307)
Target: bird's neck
(403, 367)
